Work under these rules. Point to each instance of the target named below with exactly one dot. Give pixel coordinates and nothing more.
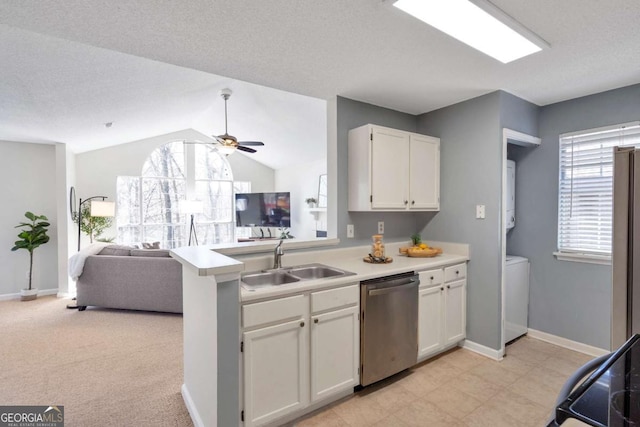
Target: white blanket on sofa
(76, 262)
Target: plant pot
(28, 294)
(311, 205)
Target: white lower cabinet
(297, 351)
(430, 331)
(335, 352)
(275, 371)
(455, 311)
(441, 309)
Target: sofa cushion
(117, 250)
(154, 245)
(151, 252)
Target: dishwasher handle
(400, 286)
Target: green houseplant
(32, 235)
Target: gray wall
(27, 174)
(470, 174)
(518, 114)
(398, 225)
(568, 299)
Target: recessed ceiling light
(478, 23)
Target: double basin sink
(287, 275)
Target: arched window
(149, 205)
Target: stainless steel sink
(315, 271)
(286, 275)
(267, 279)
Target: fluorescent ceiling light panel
(476, 23)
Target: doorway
(519, 140)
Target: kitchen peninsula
(213, 301)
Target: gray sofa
(132, 279)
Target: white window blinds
(586, 187)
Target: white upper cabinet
(389, 154)
(393, 170)
(424, 173)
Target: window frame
(188, 193)
(608, 133)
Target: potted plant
(285, 234)
(32, 235)
(311, 201)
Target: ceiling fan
(230, 141)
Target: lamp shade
(191, 207)
(102, 208)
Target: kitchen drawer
(273, 311)
(431, 278)
(455, 272)
(335, 298)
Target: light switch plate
(380, 227)
(350, 231)
(480, 212)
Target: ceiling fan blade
(247, 149)
(250, 143)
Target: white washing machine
(516, 297)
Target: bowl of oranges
(420, 249)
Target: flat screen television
(263, 209)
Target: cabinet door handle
(413, 202)
(441, 289)
(448, 286)
(457, 272)
(302, 324)
(315, 320)
(432, 278)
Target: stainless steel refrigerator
(625, 299)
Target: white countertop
(207, 262)
(211, 260)
(351, 259)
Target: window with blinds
(586, 187)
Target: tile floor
(462, 388)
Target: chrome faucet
(277, 255)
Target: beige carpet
(107, 367)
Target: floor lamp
(98, 208)
(192, 207)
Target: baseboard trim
(66, 295)
(567, 343)
(191, 407)
(43, 292)
(483, 350)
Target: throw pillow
(154, 245)
(116, 250)
(163, 253)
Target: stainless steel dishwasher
(388, 326)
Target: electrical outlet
(350, 231)
(380, 227)
(480, 212)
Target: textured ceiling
(361, 49)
